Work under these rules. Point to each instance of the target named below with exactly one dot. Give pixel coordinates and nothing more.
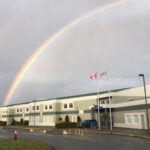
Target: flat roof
(67, 97)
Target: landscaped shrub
(66, 118)
(26, 122)
(21, 121)
(78, 119)
(66, 125)
(60, 119)
(15, 122)
(3, 123)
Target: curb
(125, 134)
(112, 133)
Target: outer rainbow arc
(35, 55)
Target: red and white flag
(95, 76)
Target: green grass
(22, 144)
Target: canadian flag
(95, 76)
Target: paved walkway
(123, 130)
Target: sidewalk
(123, 130)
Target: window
(70, 105)
(34, 120)
(102, 101)
(33, 107)
(107, 101)
(45, 119)
(37, 119)
(27, 109)
(17, 109)
(74, 118)
(37, 107)
(48, 119)
(20, 109)
(136, 120)
(128, 119)
(45, 107)
(50, 106)
(65, 105)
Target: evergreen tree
(67, 119)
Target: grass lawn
(22, 144)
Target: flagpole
(98, 103)
(110, 112)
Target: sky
(117, 38)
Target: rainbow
(37, 52)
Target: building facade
(127, 106)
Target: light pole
(147, 115)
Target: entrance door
(143, 122)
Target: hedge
(26, 122)
(21, 122)
(3, 123)
(66, 125)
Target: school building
(128, 108)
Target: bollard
(44, 131)
(15, 135)
(31, 130)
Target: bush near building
(3, 123)
(26, 123)
(78, 119)
(67, 119)
(60, 119)
(21, 122)
(66, 125)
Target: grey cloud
(117, 39)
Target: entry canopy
(96, 107)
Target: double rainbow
(37, 52)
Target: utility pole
(147, 115)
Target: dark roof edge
(73, 96)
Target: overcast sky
(117, 38)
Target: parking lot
(86, 141)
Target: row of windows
(133, 118)
(5, 112)
(46, 107)
(35, 108)
(104, 101)
(19, 109)
(70, 105)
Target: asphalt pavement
(85, 142)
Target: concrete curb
(110, 133)
(124, 134)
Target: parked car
(87, 123)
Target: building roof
(68, 97)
